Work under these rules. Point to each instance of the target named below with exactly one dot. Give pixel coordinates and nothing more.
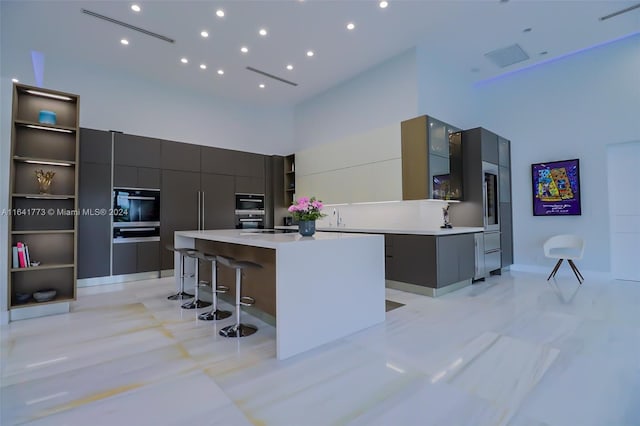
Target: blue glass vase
(307, 228)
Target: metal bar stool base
(238, 331)
(180, 296)
(196, 304)
(214, 316)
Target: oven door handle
(139, 197)
(137, 229)
(251, 200)
(250, 220)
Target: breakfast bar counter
(319, 288)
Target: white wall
(623, 165)
(569, 108)
(381, 96)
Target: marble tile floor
(513, 350)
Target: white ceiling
(456, 34)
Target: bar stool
(181, 294)
(238, 329)
(215, 314)
(196, 302)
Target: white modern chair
(561, 247)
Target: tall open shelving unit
(289, 179)
(46, 223)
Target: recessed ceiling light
(135, 8)
(262, 32)
(244, 49)
(544, 52)
(383, 4)
(289, 67)
(220, 13)
(310, 53)
(220, 72)
(204, 34)
(261, 85)
(351, 26)
(203, 67)
(124, 41)
(184, 60)
(15, 80)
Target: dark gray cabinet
(250, 185)
(95, 146)
(480, 145)
(234, 163)
(179, 208)
(148, 256)
(94, 231)
(94, 193)
(429, 261)
(181, 156)
(139, 151)
(125, 258)
(136, 177)
(218, 199)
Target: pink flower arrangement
(306, 209)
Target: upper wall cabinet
(431, 159)
(139, 151)
(229, 162)
(181, 156)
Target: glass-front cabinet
(445, 160)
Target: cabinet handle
(203, 228)
(199, 211)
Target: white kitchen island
(326, 287)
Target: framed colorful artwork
(556, 188)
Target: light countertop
(414, 231)
(254, 238)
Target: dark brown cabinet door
(250, 185)
(94, 231)
(125, 177)
(148, 256)
(414, 259)
(131, 150)
(178, 208)
(181, 156)
(447, 260)
(95, 146)
(489, 146)
(125, 258)
(148, 178)
(219, 201)
(506, 236)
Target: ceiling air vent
(131, 27)
(507, 55)
(620, 12)
(275, 77)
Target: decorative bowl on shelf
(35, 263)
(44, 295)
(22, 298)
(47, 117)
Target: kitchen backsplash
(417, 214)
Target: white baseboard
(4, 317)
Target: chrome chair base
(180, 296)
(214, 316)
(196, 304)
(241, 330)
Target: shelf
(44, 161)
(45, 196)
(42, 267)
(32, 302)
(40, 126)
(46, 231)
